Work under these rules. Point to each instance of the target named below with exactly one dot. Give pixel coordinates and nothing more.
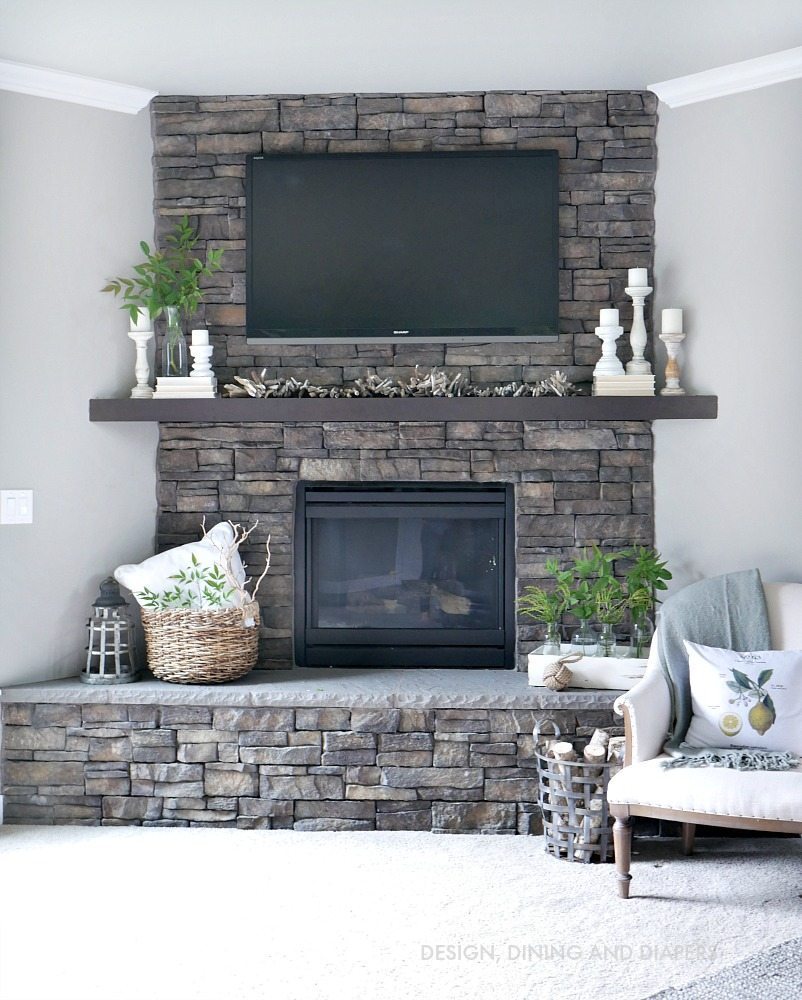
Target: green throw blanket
(728, 612)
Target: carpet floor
(200, 914)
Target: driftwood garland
(435, 382)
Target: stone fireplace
(574, 483)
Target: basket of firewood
(577, 825)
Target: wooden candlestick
(637, 335)
(142, 389)
(672, 342)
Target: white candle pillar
(637, 277)
(672, 321)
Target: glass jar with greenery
(168, 281)
(546, 607)
(611, 606)
(647, 574)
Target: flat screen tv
(412, 246)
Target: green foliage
(542, 605)
(611, 601)
(196, 587)
(588, 588)
(168, 277)
(646, 575)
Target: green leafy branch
(169, 277)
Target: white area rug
(198, 914)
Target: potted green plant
(647, 574)
(611, 606)
(168, 282)
(588, 572)
(546, 607)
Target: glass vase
(551, 640)
(641, 640)
(174, 347)
(606, 641)
(584, 640)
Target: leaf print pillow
(745, 699)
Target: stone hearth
(446, 750)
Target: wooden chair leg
(688, 837)
(622, 841)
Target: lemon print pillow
(745, 699)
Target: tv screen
(386, 246)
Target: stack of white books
(186, 387)
(623, 385)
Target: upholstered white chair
(713, 796)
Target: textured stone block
(280, 755)
(432, 777)
(192, 753)
(24, 773)
(207, 736)
(101, 713)
(124, 807)
(312, 786)
(385, 720)
(267, 719)
(390, 742)
(265, 807)
(322, 718)
(377, 792)
(167, 772)
(231, 779)
(107, 785)
(512, 790)
(405, 758)
(28, 738)
(450, 753)
(153, 738)
(313, 119)
(349, 741)
(334, 809)
(408, 819)
(348, 757)
(474, 817)
(185, 716)
(512, 105)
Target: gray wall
(728, 493)
(75, 199)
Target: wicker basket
(573, 800)
(202, 647)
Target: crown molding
(60, 86)
(735, 78)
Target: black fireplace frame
(435, 648)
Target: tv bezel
(383, 336)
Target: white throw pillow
(745, 699)
(155, 573)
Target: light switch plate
(16, 506)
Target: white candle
(200, 338)
(637, 277)
(608, 317)
(672, 321)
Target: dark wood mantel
(409, 409)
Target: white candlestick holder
(608, 363)
(201, 361)
(672, 342)
(637, 335)
(143, 388)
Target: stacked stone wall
(448, 770)
(607, 157)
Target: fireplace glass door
(403, 575)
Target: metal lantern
(110, 655)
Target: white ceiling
(325, 46)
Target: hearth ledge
(329, 688)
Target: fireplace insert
(404, 574)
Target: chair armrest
(647, 713)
